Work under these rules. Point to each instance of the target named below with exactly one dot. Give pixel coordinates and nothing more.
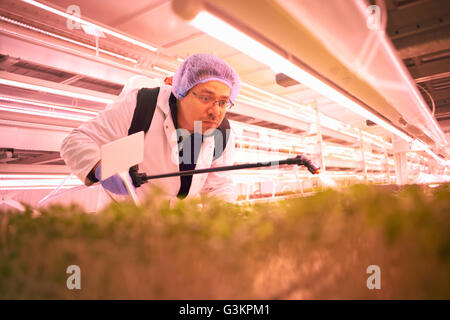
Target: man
(179, 137)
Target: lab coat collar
(163, 100)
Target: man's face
(201, 104)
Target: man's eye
(205, 98)
(223, 103)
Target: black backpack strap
(220, 141)
(142, 118)
(144, 111)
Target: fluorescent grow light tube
(418, 145)
(50, 114)
(31, 176)
(66, 39)
(82, 21)
(22, 181)
(274, 96)
(224, 32)
(169, 73)
(54, 91)
(436, 157)
(50, 106)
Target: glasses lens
(222, 103)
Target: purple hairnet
(200, 68)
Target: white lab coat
(81, 149)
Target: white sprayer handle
(129, 186)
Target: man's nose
(214, 110)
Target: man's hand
(113, 183)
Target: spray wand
(141, 178)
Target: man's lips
(209, 122)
